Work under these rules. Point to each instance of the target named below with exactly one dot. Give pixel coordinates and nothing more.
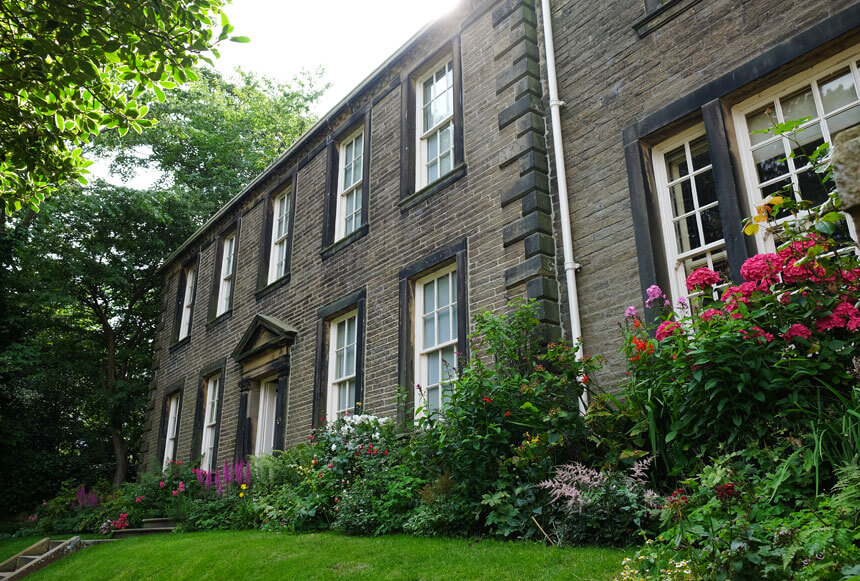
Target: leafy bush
(601, 508)
(728, 524)
(512, 416)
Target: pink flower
(175, 493)
(757, 333)
(829, 322)
(161, 484)
(761, 267)
(710, 314)
(797, 330)
(701, 278)
(655, 294)
(666, 329)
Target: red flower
(508, 414)
(701, 278)
(668, 328)
(797, 330)
(763, 267)
(486, 399)
(584, 379)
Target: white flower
(333, 447)
(375, 435)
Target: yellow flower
(244, 486)
(241, 494)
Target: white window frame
(674, 258)
(279, 247)
(355, 188)
(345, 376)
(172, 430)
(210, 422)
(225, 285)
(423, 353)
(422, 135)
(266, 409)
(764, 239)
(188, 302)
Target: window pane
(433, 146)
(837, 90)
(338, 364)
(711, 224)
(432, 400)
(687, 233)
(761, 120)
(454, 286)
(443, 322)
(359, 144)
(844, 120)
(357, 194)
(443, 286)
(445, 164)
(699, 152)
(445, 137)
(429, 331)
(357, 171)
(454, 320)
(676, 164)
(429, 297)
(428, 90)
(341, 334)
(350, 330)
(769, 161)
(449, 364)
(799, 105)
(347, 176)
(433, 362)
(775, 189)
(432, 172)
(807, 141)
(350, 360)
(681, 196)
(811, 187)
(705, 189)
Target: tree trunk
(120, 451)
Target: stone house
(354, 263)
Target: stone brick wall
(470, 208)
(609, 78)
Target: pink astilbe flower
(570, 481)
(208, 480)
(762, 267)
(797, 330)
(640, 468)
(666, 329)
(701, 278)
(248, 474)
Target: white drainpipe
(570, 264)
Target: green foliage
(513, 415)
(80, 290)
(72, 70)
(214, 136)
(730, 524)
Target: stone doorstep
(157, 523)
(125, 533)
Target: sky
(349, 39)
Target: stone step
(158, 523)
(55, 544)
(25, 560)
(125, 533)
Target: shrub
(601, 508)
(512, 416)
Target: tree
(73, 68)
(80, 290)
(216, 134)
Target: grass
(261, 555)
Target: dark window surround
(453, 253)
(288, 181)
(658, 13)
(232, 228)
(355, 300)
(708, 103)
(172, 390)
(180, 301)
(408, 114)
(329, 245)
(218, 367)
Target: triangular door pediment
(264, 332)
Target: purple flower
(631, 313)
(655, 293)
(248, 474)
(682, 302)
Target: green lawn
(11, 546)
(260, 555)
